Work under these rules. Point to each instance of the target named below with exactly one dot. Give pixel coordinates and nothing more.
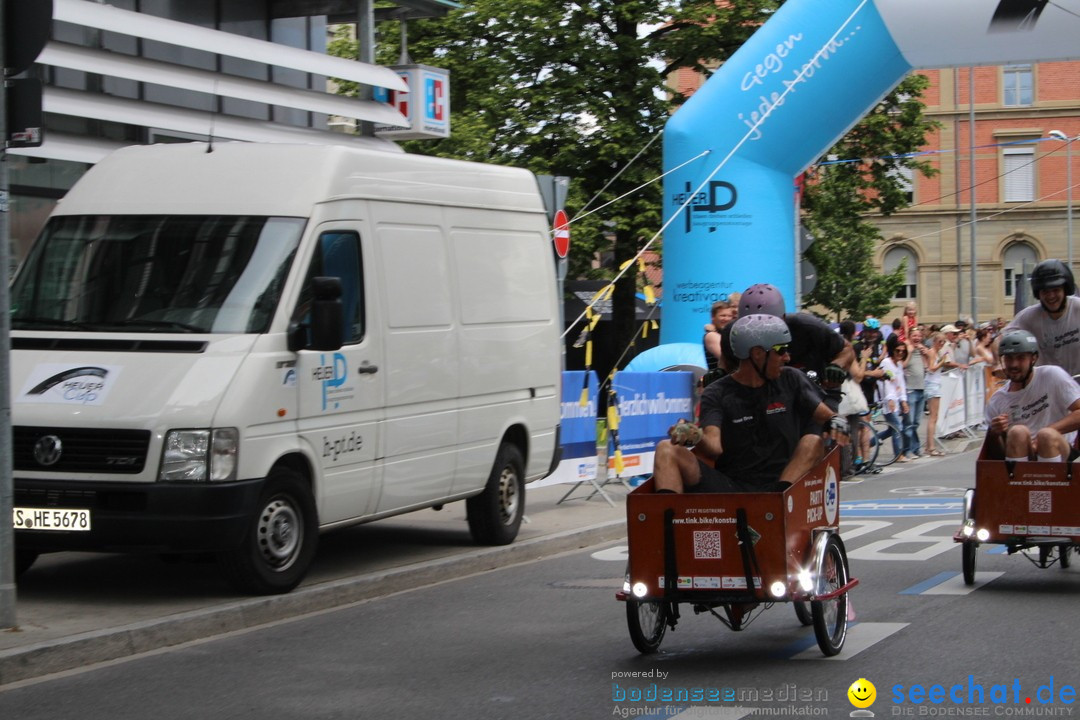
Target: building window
(905, 177)
(1018, 169)
(1017, 84)
(1019, 261)
(893, 259)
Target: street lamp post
(1058, 135)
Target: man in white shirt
(1055, 320)
(951, 362)
(1035, 416)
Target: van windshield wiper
(158, 324)
(34, 323)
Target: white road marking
(860, 636)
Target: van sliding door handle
(367, 369)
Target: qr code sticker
(1039, 501)
(706, 544)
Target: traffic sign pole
(7, 532)
(562, 233)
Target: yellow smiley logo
(862, 693)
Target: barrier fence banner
(951, 411)
(649, 403)
(577, 431)
(993, 384)
(975, 395)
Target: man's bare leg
(1017, 442)
(675, 467)
(808, 453)
(1049, 443)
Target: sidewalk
(78, 609)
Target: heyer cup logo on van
(333, 375)
(67, 385)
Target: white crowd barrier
(963, 401)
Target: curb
(85, 649)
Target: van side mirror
(327, 318)
(327, 315)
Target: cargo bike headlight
(200, 455)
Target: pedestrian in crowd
(915, 382)
(933, 360)
(983, 351)
(852, 406)
(722, 313)
(1035, 416)
(926, 332)
(949, 352)
(869, 354)
(909, 321)
(1055, 320)
(868, 357)
(963, 343)
(894, 395)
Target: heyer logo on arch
(708, 207)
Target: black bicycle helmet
(762, 298)
(1052, 273)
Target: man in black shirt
(757, 424)
(814, 345)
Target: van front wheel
(25, 558)
(280, 540)
(495, 514)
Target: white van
(228, 349)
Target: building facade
(1014, 163)
(122, 72)
(1026, 123)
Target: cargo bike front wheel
(647, 621)
(830, 610)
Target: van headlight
(200, 455)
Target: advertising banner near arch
(649, 403)
(577, 430)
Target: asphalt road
(547, 639)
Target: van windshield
(155, 273)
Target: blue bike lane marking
(905, 507)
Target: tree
(575, 89)
(579, 89)
(838, 198)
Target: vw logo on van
(47, 450)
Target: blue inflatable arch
(800, 82)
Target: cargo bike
(1032, 508)
(734, 554)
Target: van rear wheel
(280, 540)
(495, 514)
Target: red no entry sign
(562, 233)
